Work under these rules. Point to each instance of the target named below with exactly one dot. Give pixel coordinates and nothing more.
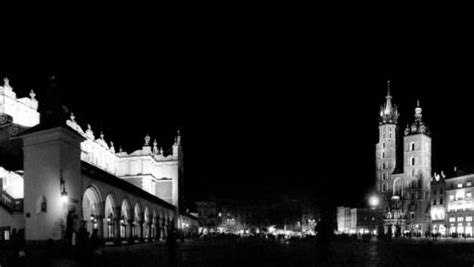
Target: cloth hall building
(56, 177)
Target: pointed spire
(388, 87)
(73, 117)
(32, 94)
(101, 135)
(120, 149)
(160, 152)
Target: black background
(267, 107)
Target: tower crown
(418, 126)
(388, 112)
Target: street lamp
(374, 201)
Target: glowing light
(374, 201)
(64, 198)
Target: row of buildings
(412, 199)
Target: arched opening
(412, 146)
(397, 187)
(91, 209)
(412, 161)
(137, 221)
(125, 219)
(155, 225)
(110, 216)
(147, 223)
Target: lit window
(468, 218)
(468, 183)
(451, 197)
(452, 219)
(460, 219)
(459, 185)
(468, 195)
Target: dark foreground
(257, 252)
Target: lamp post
(62, 187)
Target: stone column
(129, 230)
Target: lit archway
(91, 208)
(110, 216)
(125, 219)
(137, 221)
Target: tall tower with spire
(417, 168)
(386, 154)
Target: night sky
(264, 111)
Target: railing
(10, 203)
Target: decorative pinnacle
(32, 94)
(418, 102)
(73, 117)
(147, 140)
(6, 82)
(102, 135)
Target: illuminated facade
(459, 204)
(403, 171)
(54, 177)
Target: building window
(468, 218)
(451, 198)
(383, 145)
(384, 176)
(434, 191)
(412, 160)
(468, 195)
(383, 155)
(441, 191)
(460, 185)
(452, 219)
(434, 201)
(412, 215)
(460, 219)
(412, 146)
(441, 201)
(468, 183)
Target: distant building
(438, 205)
(460, 204)
(358, 220)
(207, 214)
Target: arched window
(383, 165)
(383, 145)
(413, 172)
(383, 187)
(412, 161)
(412, 146)
(383, 155)
(384, 176)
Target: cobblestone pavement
(258, 252)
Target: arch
(91, 207)
(412, 146)
(412, 161)
(397, 187)
(147, 223)
(137, 221)
(110, 215)
(125, 217)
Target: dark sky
(276, 109)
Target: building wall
(460, 204)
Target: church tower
(386, 159)
(417, 168)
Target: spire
(6, 83)
(388, 111)
(32, 94)
(177, 140)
